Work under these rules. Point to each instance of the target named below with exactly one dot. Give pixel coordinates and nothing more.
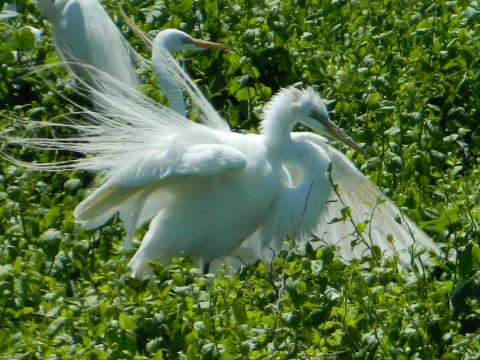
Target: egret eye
(314, 114)
(186, 40)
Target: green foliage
(402, 79)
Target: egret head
(176, 40)
(308, 108)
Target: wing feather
(367, 205)
(129, 187)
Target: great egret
(205, 190)
(84, 33)
(355, 189)
(165, 42)
(175, 40)
(367, 203)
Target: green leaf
(373, 99)
(23, 39)
(469, 260)
(377, 252)
(346, 212)
(126, 322)
(55, 326)
(239, 312)
(6, 55)
(446, 219)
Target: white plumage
(165, 42)
(208, 192)
(84, 33)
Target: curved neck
(167, 85)
(276, 126)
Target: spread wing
(384, 224)
(144, 176)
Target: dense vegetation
(402, 79)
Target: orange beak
(204, 44)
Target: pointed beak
(336, 133)
(204, 44)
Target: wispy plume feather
(122, 124)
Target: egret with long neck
(172, 40)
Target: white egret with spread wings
(208, 192)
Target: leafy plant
(403, 79)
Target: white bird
(173, 40)
(209, 190)
(165, 42)
(355, 189)
(367, 204)
(209, 193)
(84, 33)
